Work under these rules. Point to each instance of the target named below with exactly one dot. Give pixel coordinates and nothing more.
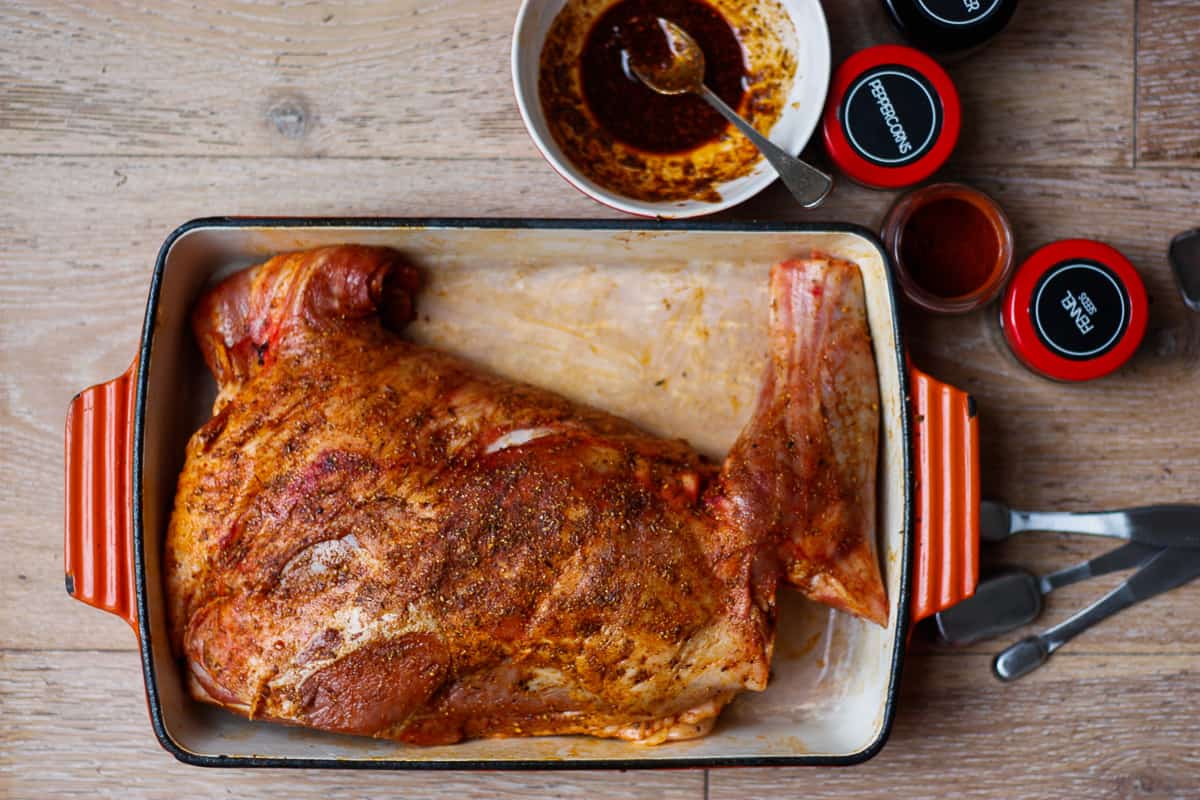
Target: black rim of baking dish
(451, 223)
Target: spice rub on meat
(374, 537)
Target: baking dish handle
(98, 543)
(946, 514)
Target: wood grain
(82, 731)
(85, 732)
(1168, 102)
(1090, 727)
(119, 121)
(240, 78)
(1081, 64)
(419, 78)
(75, 277)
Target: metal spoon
(683, 71)
(1161, 526)
(1168, 569)
(1014, 598)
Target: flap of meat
(806, 462)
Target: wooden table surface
(120, 120)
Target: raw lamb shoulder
(375, 537)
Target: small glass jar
(951, 246)
(950, 27)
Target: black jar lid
(947, 26)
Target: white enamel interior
(581, 312)
(801, 112)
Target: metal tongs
(1163, 541)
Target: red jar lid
(892, 118)
(1075, 310)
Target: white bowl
(799, 118)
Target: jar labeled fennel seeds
(1075, 310)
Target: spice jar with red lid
(892, 118)
(1075, 310)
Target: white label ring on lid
(972, 11)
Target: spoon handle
(1161, 525)
(808, 184)
(1172, 567)
(1127, 556)
(1030, 653)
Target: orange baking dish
(835, 679)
